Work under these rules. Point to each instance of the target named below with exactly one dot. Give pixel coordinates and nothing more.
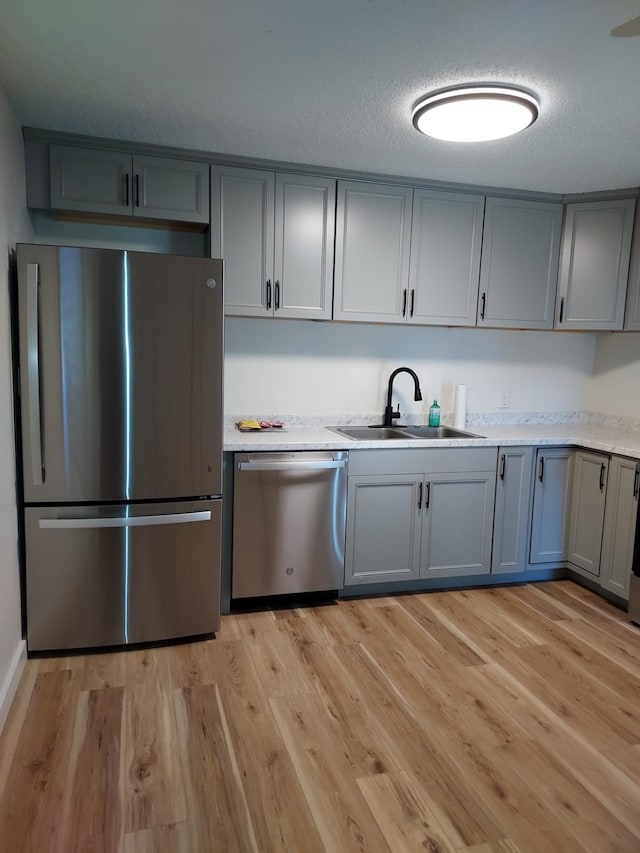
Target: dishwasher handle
(293, 465)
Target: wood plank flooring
(499, 720)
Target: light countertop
(593, 437)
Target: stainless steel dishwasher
(289, 512)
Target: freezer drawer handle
(33, 370)
(279, 465)
(132, 521)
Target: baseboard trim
(11, 681)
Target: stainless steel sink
(377, 433)
(439, 432)
(374, 433)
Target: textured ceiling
(332, 82)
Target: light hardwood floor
(487, 721)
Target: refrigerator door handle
(33, 373)
(128, 521)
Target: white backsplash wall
(280, 367)
(615, 386)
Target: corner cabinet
(551, 505)
(417, 514)
(275, 233)
(513, 508)
(373, 236)
(105, 182)
(594, 267)
(587, 512)
(519, 265)
(619, 525)
(632, 315)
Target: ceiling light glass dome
(475, 113)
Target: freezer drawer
(111, 575)
(288, 523)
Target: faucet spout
(389, 414)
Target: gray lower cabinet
(419, 514)
(619, 526)
(513, 510)
(444, 269)
(373, 235)
(587, 511)
(551, 505)
(92, 180)
(275, 232)
(594, 267)
(519, 265)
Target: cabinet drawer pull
(420, 496)
(268, 296)
(503, 460)
(404, 302)
(413, 301)
(603, 468)
(427, 500)
(483, 305)
(636, 483)
(276, 298)
(137, 190)
(561, 309)
(541, 471)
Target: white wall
(615, 386)
(14, 226)
(280, 367)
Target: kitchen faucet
(389, 414)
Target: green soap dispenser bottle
(434, 414)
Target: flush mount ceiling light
(475, 113)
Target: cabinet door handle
(541, 471)
(561, 318)
(276, 298)
(427, 499)
(603, 468)
(137, 190)
(268, 295)
(483, 305)
(503, 460)
(404, 302)
(636, 483)
(419, 495)
(126, 189)
(413, 301)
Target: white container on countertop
(460, 407)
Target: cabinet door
(595, 264)
(632, 316)
(551, 502)
(90, 180)
(457, 524)
(164, 188)
(519, 266)
(383, 531)
(512, 513)
(373, 234)
(304, 239)
(587, 511)
(242, 203)
(446, 238)
(619, 526)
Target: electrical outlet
(505, 400)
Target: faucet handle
(396, 414)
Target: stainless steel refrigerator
(120, 377)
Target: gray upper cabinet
(587, 511)
(594, 267)
(275, 235)
(632, 315)
(619, 526)
(92, 180)
(373, 235)
(444, 270)
(512, 512)
(551, 505)
(519, 265)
